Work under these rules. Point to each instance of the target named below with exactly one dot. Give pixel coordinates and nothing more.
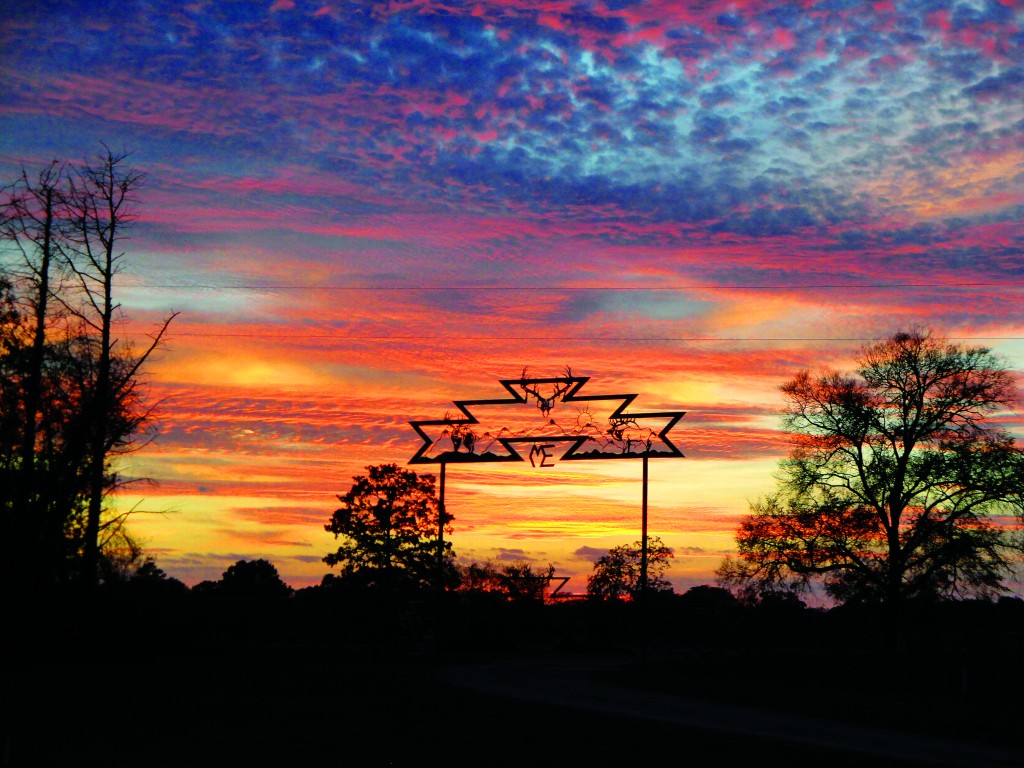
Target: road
(569, 682)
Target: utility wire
(531, 288)
(437, 337)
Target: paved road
(568, 682)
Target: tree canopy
(900, 482)
(616, 575)
(253, 579)
(388, 523)
(516, 582)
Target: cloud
(273, 538)
(590, 554)
(1009, 83)
(513, 555)
(366, 210)
(307, 558)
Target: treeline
(615, 579)
(241, 667)
(71, 399)
(500, 609)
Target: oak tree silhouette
(616, 575)
(899, 483)
(388, 523)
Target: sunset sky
(366, 210)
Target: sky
(365, 211)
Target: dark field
(185, 681)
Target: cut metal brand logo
(539, 455)
(549, 420)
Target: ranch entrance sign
(545, 420)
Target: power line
(437, 337)
(531, 288)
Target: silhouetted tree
(513, 581)
(707, 597)
(31, 228)
(253, 578)
(388, 523)
(125, 568)
(31, 224)
(894, 480)
(69, 393)
(11, 425)
(100, 204)
(206, 588)
(150, 579)
(616, 575)
(246, 579)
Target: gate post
(643, 534)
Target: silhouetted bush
(246, 579)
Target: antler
(546, 403)
(532, 391)
(618, 425)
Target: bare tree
(69, 382)
(100, 209)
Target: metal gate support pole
(440, 531)
(643, 535)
